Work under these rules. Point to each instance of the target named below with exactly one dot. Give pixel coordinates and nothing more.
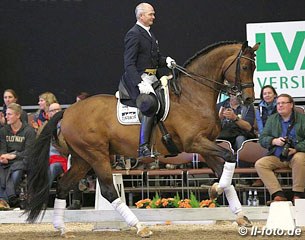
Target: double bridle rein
(225, 87)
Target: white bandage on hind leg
(227, 174)
(125, 212)
(58, 216)
(234, 203)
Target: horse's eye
(245, 68)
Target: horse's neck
(208, 66)
(195, 94)
(199, 90)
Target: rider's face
(147, 18)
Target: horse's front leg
(219, 159)
(211, 152)
(224, 185)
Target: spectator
(10, 96)
(236, 121)
(58, 163)
(16, 138)
(45, 100)
(266, 107)
(284, 136)
(237, 126)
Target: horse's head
(238, 72)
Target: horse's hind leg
(77, 171)
(104, 174)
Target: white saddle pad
(127, 115)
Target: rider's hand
(171, 63)
(145, 88)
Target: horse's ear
(244, 46)
(256, 46)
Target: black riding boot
(147, 124)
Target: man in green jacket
(284, 136)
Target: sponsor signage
(280, 59)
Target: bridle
(225, 87)
(238, 86)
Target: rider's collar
(146, 28)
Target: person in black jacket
(142, 59)
(16, 138)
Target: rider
(141, 61)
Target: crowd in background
(18, 132)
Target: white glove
(145, 88)
(164, 81)
(171, 63)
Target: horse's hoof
(243, 222)
(215, 191)
(68, 235)
(144, 233)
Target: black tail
(38, 165)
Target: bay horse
(92, 132)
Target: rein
(223, 87)
(197, 77)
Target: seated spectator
(10, 96)
(237, 126)
(45, 100)
(16, 138)
(284, 136)
(58, 163)
(236, 121)
(266, 107)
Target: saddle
(128, 115)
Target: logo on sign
(281, 56)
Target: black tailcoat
(141, 52)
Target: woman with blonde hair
(45, 100)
